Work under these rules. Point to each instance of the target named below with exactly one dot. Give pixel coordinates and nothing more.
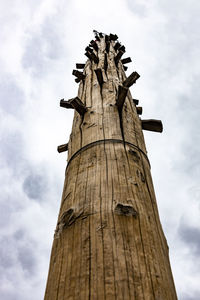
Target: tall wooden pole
(108, 242)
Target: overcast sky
(40, 43)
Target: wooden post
(108, 242)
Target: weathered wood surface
(108, 243)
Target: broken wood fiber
(118, 56)
(78, 105)
(122, 93)
(136, 101)
(122, 48)
(80, 66)
(152, 125)
(78, 74)
(88, 49)
(97, 38)
(113, 37)
(125, 68)
(62, 148)
(126, 60)
(94, 45)
(131, 79)
(99, 75)
(117, 45)
(139, 110)
(65, 104)
(92, 57)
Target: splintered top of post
(103, 80)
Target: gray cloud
(192, 296)
(42, 47)
(35, 186)
(12, 149)
(17, 250)
(11, 95)
(191, 237)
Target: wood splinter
(117, 45)
(78, 105)
(139, 110)
(92, 57)
(78, 74)
(62, 148)
(131, 79)
(65, 104)
(126, 60)
(99, 76)
(118, 56)
(75, 103)
(122, 48)
(94, 45)
(80, 66)
(122, 93)
(136, 102)
(152, 125)
(125, 68)
(113, 37)
(88, 49)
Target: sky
(40, 42)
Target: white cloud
(40, 43)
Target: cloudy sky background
(40, 43)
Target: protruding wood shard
(131, 79)
(97, 38)
(152, 125)
(88, 49)
(122, 48)
(118, 56)
(75, 103)
(62, 148)
(99, 76)
(125, 210)
(122, 93)
(80, 66)
(139, 110)
(136, 101)
(65, 104)
(78, 74)
(92, 57)
(125, 68)
(113, 37)
(126, 60)
(78, 105)
(94, 45)
(117, 45)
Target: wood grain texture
(108, 242)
